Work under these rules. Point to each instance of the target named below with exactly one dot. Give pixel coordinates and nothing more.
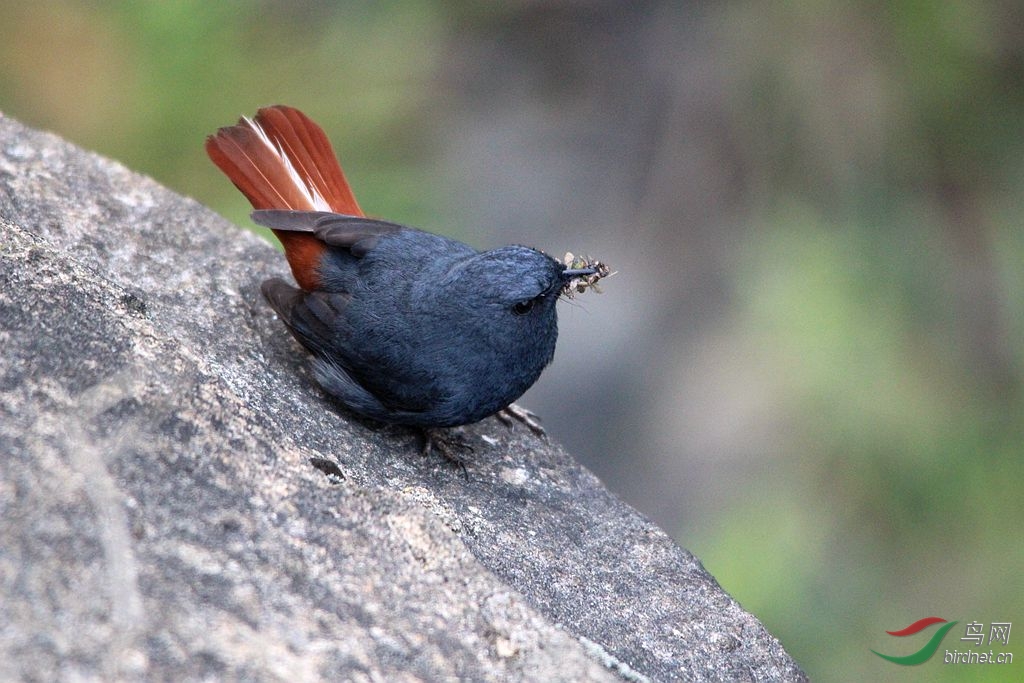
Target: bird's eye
(523, 307)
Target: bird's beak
(569, 273)
(585, 275)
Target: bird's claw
(450, 442)
(512, 413)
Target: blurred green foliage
(146, 82)
(881, 288)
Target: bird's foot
(452, 443)
(512, 413)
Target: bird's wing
(358, 234)
(313, 318)
(317, 321)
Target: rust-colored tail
(280, 159)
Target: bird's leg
(513, 413)
(450, 442)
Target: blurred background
(809, 367)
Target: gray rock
(179, 501)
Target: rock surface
(179, 501)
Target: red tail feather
(282, 160)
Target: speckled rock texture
(179, 501)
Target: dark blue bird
(404, 326)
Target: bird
(403, 326)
